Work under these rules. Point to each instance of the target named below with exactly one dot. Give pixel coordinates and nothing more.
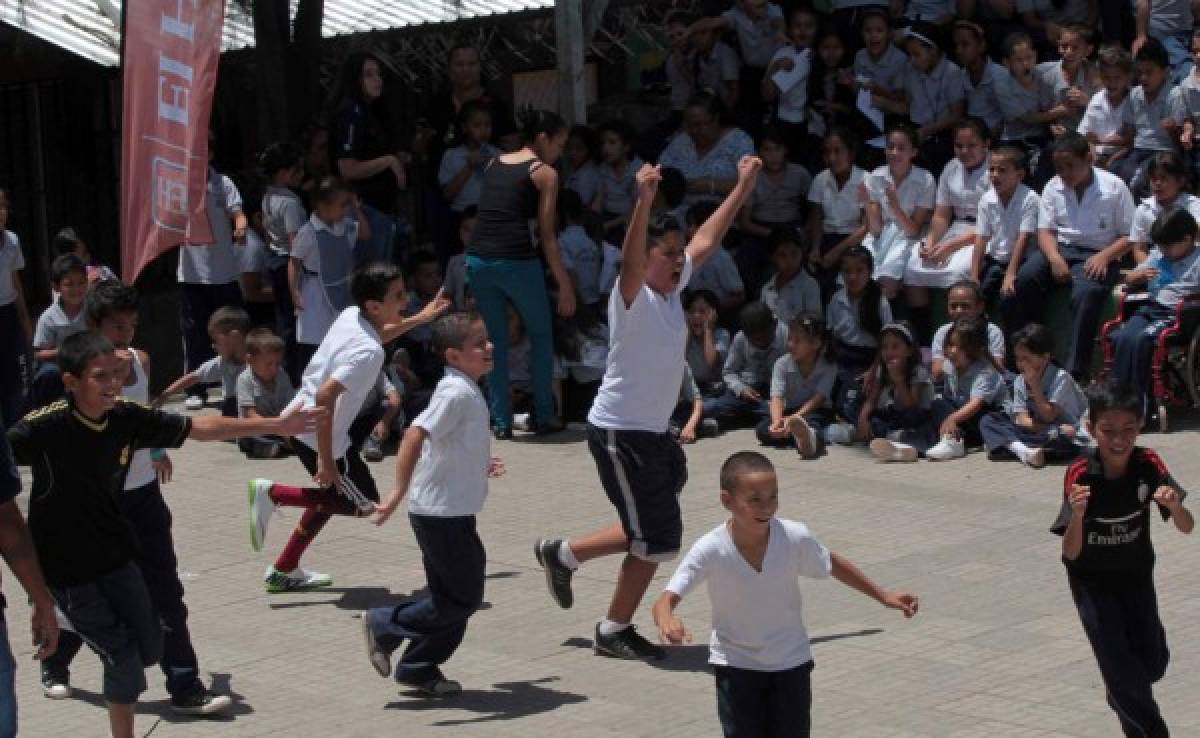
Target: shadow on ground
(161, 709)
(363, 598)
(505, 701)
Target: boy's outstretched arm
(710, 235)
(850, 575)
(218, 428)
(633, 250)
(179, 385)
(406, 462)
(432, 310)
(670, 627)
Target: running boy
(80, 449)
(1105, 525)
(444, 460)
(759, 647)
(642, 468)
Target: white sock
(609, 627)
(1020, 450)
(567, 557)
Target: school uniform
(256, 260)
(718, 66)
(758, 40)
(930, 97)
(999, 428)
(1112, 583)
(447, 491)
(708, 378)
(584, 181)
(223, 371)
(1054, 86)
(983, 98)
(582, 257)
(1016, 102)
(1145, 115)
(795, 388)
(995, 336)
(618, 190)
(798, 296)
(1001, 225)
(779, 200)
(269, 400)
(1150, 208)
(842, 214)
(760, 655)
(961, 189)
(283, 215)
(888, 71)
(53, 325)
(979, 381)
(791, 108)
(719, 274)
(747, 366)
(1171, 23)
(327, 255)
(1103, 119)
(854, 348)
(892, 247)
(909, 425)
(1189, 107)
(1082, 227)
(454, 160)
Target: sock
(567, 557)
(311, 523)
(1021, 451)
(323, 500)
(608, 627)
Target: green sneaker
(261, 507)
(297, 580)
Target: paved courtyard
(996, 650)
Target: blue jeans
(495, 283)
(1179, 53)
(8, 693)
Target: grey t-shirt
(937, 347)
(796, 388)
(268, 400)
(53, 325)
(222, 370)
(217, 262)
(980, 381)
(779, 201)
(1059, 388)
(701, 371)
(750, 366)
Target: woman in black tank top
(503, 265)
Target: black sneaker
(627, 644)
(201, 701)
(550, 427)
(55, 686)
(558, 575)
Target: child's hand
(566, 300)
(436, 307)
(1067, 430)
(1057, 130)
(1059, 268)
(1077, 98)
(495, 468)
(1142, 276)
(163, 468)
(687, 434)
(750, 395)
(647, 179)
(384, 511)
(748, 169)
(326, 476)
(1009, 286)
(902, 601)
(1168, 497)
(1078, 499)
(298, 421)
(1096, 266)
(673, 631)
(778, 428)
(949, 428)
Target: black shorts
(643, 474)
(114, 617)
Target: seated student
(802, 382)
(900, 199)
(965, 300)
(759, 648)
(688, 422)
(785, 82)
(1019, 94)
(835, 221)
(65, 317)
(227, 328)
(707, 344)
(1083, 228)
(264, 391)
(897, 414)
(1067, 85)
(1153, 118)
(856, 314)
(981, 76)
(67, 241)
(720, 273)
(879, 66)
(1102, 120)
(1168, 178)
(582, 176)
(1044, 421)
(752, 356)
(1171, 273)
(582, 256)
(1050, 19)
(618, 165)
(974, 387)
(424, 278)
(832, 103)
(1170, 22)
(1005, 228)
(777, 201)
(934, 94)
(791, 291)
(455, 283)
(943, 257)
(460, 174)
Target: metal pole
(570, 46)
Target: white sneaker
(840, 433)
(522, 422)
(193, 402)
(886, 451)
(261, 507)
(294, 581)
(1032, 457)
(804, 436)
(947, 448)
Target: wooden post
(570, 45)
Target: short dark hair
(1173, 226)
(65, 264)
(1154, 52)
(1169, 163)
(79, 349)
(974, 123)
(781, 235)
(1014, 154)
(659, 226)
(263, 341)
(328, 189)
(470, 109)
(756, 319)
(692, 296)
(371, 282)
(109, 298)
(570, 206)
(227, 320)
(906, 129)
(970, 334)
(740, 464)
(66, 240)
(1086, 34)
(1015, 39)
(1036, 338)
(622, 129)
(970, 285)
(451, 330)
(1104, 397)
(278, 156)
(418, 259)
(1073, 143)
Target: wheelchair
(1175, 361)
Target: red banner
(171, 53)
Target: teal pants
(495, 283)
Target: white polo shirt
(840, 207)
(451, 476)
(961, 188)
(352, 355)
(1103, 215)
(917, 190)
(1103, 119)
(1149, 210)
(1001, 225)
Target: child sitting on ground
(227, 327)
(897, 416)
(688, 422)
(965, 300)
(65, 317)
(759, 648)
(801, 389)
(264, 391)
(752, 356)
(974, 387)
(707, 344)
(791, 291)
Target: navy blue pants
(732, 411)
(1133, 347)
(1034, 282)
(999, 429)
(913, 426)
(435, 622)
(148, 514)
(1121, 621)
(764, 704)
(943, 408)
(197, 304)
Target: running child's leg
(789, 703)
(742, 705)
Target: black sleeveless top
(508, 201)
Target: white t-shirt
(54, 325)
(916, 191)
(12, 260)
(1103, 120)
(840, 207)
(757, 617)
(792, 83)
(646, 347)
(351, 355)
(961, 188)
(1001, 225)
(1104, 215)
(1148, 211)
(451, 475)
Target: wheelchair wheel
(1191, 368)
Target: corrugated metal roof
(80, 27)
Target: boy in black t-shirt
(1105, 525)
(79, 450)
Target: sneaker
(372, 450)
(840, 433)
(438, 687)
(193, 402)
(261, 507)
(709, 428)
(550, 427)
(502, 434)
(627, 644)
(297, 580)
(201, 702)
(947, 448)
(558, 574)
(522, 422)
(380, 659)
(1033, 457)
(55, 687)
(804, 436)
(887, 450)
